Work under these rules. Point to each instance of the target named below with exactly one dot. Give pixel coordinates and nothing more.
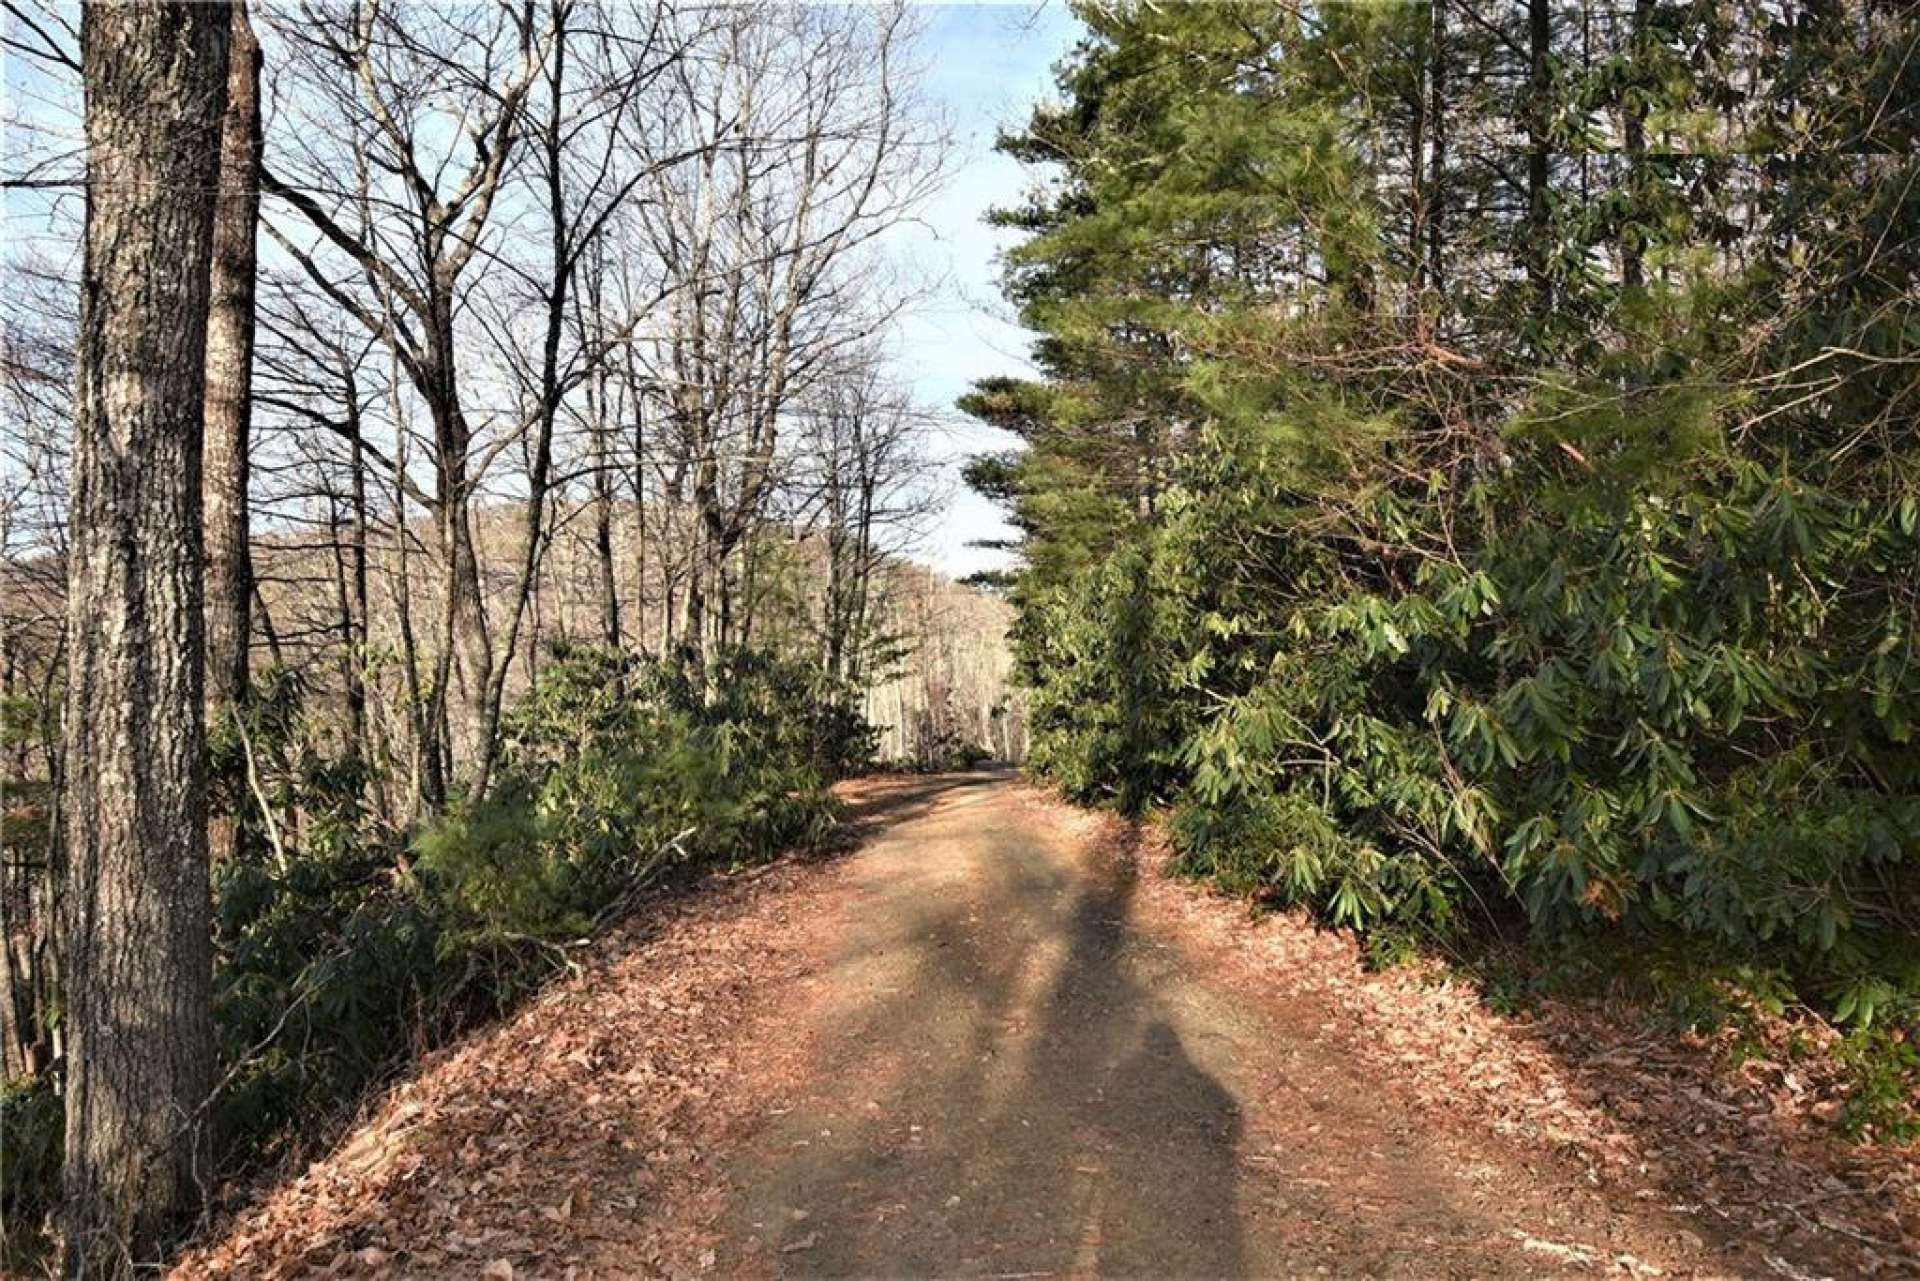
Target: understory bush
(1455, 549)
(344, 946)
(1634, 714)
(362, 943)
(618, 769)
(1685, 711)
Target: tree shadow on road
(1050, 1129)
(1005, 1075)
(871, 805)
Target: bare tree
(591, 82)
(229, 412)
(411, 227)
(136, 964)
(803, 148)
(545, 92)
(867, 483)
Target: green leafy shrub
(618, 770)
(326, 970)
(31, 1139)
(1594, 719)
(968, 756)
(328, 974)
(1883, 1066)
(1501, 579)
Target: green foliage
(324, 952)
(619, 769)
(31, 1138)
(19, 721)
(1884, 1066)
(364, 943)
(1449, 541)
(326, 971)
(1099, 710)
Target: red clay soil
(996, 1040)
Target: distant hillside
(937, 668)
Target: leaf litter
(587, 1134)
(1742, 1145)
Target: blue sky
(987, 64)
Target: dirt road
(1010, 1077)
(973, 1046)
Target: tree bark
(589, 303)
(603, 543)
(357, 616)
(1539, 161)
(1633, 236)
(229, 398)
(1436, 188)
(137, 965)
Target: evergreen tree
(1474, 461)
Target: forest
(544, 533)
(1473, 483)
(464, 500)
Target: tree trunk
(1538, 245)
(357, 608)
(540, 464)
(864, 558)
(1417, 104)
(339, 539)
(1632, 238)
(640, 527)
(599, 417)
(603, 547)
(229, 399)
(137, 968)
(706, 554)
(1436, 191)
(423, 706)
(834, 633)
(467, 640)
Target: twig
(260, 795)
(1816, 1222)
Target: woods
(1472, 480)
(467, 467)
(462, 486)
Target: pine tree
(1474, 459)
